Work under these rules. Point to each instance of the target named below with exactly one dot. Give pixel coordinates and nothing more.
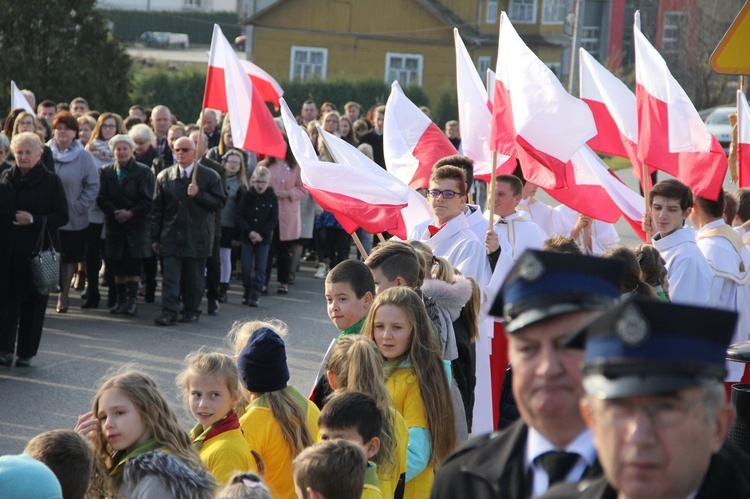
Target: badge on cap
(531, 268)
(632, 328)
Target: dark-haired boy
(68, 455)
(354, 416)
(330, 470)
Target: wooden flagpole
(644, 179)
(359, 244)
(381, 238)
(491, 194)
(201, 135)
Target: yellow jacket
(227, 453)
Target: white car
(717, 122)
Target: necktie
(557, 464)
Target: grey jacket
(159, 475)
(80, 178)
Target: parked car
(163, 39)
(239, 42)
(717, 122)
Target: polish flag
(671, 135)
(266, 85)
(18, 100)
(613, 105)
(359, 193)
(534, 118)
(230, 89)
(743, 140)
(412, 143)
(475, 116)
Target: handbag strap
(40, 240)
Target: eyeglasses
(447, 194)
(183, 149)
(260, 182)
(109, 127)
(661, 412)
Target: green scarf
(121, 458)
(355, 329)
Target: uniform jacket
(257, 212)
(40, 193)
(184, 226)
(160, 475)
(134, 193)
(227, 453)
(490, 466)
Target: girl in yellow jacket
(211, 386)
(417, 381)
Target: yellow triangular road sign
(732, 55)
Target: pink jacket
(284, 178)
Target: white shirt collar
(536, 445)
(188, 170)
(710, 225)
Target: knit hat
(22, 476)
(121, 138)
(262, 363)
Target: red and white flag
(412, 143)
(743, 140)
(359, 193)
(671, 135)
(534, 118)
(475, 116)
(266, 85)
(230, 89)
(18, 100)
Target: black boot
(150, 291)
(122, 295)
(223, 289)
(131, 299)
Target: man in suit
(182, 230)
(655, 404)
(545, 300)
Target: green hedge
(129, 24)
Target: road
(198, 54)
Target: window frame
(561, 5)
(490, 19)
(482, 59)
(420, 67)
(515, 20)
(677, 26)
(299, 48)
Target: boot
(150, 291)
(122, 294)
(223, 289)
(111, 296)
(131, 299)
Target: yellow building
(407, 40)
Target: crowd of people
(580, 367)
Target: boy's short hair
(463, 162)
(561, 244)
(397, 259)
(672, 189)
(356, 274)
(335, 469)
(449, 172)
(743, 206)
(69, 457)
(730, 206)
(712, 208)
(352, 410)
(516, 186)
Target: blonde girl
(279, 422)
(140, 444)
(417, 381)
(355, 364)
(210, 384)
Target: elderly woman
(80, 178)
(4, 150)
(25, 122)
(30, 196)
(125, 194)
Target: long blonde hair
(355, 364)
(425, 354)
(208, 365)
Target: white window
(308, 63)
(674, 26)
(406, 68)
(553, 11)
(522, 11)
(491, 17)
(591, 39)
(483, 64)
(193, 4)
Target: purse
(45, 264)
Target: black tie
(557, 464)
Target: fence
(129, 24)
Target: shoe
(122, 298)
(223, 289)
(213, 307)
(23, 361)
(6, 359)
(61, 310)
(189, 318)
(264, 291)
(131, 299)
(253, 302)
(246, 298)
(85, 294)
(322, 271)
(166, 319)
(92, 302)
(282, 291)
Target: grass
(616, 163)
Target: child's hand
(87, 426)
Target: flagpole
(491, 194)
(381, 238)
(644, 179)
(359, 244)
(201, 135)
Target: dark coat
(376, 141)
(135, 193)
(184, 226)
(41, 193)
(257, 212)
(490, 466)
(219, 169)
(727, 478)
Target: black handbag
(45, 264)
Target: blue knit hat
(22, 476)
(262, 363)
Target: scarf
(200, 436)
(67, 156)
(100, 149)
(123, 170)
(355, 329)
(121, 458)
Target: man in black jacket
(182, 230)
(546, 298)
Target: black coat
(40, 193)
(490, 466)
(727, 478)
(135, 193)
(184, 226)
(257, 212)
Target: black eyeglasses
(447, 194)
(183, 149)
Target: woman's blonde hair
(355, 363)
(18, 119)
(425, 353)
(209, 365)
